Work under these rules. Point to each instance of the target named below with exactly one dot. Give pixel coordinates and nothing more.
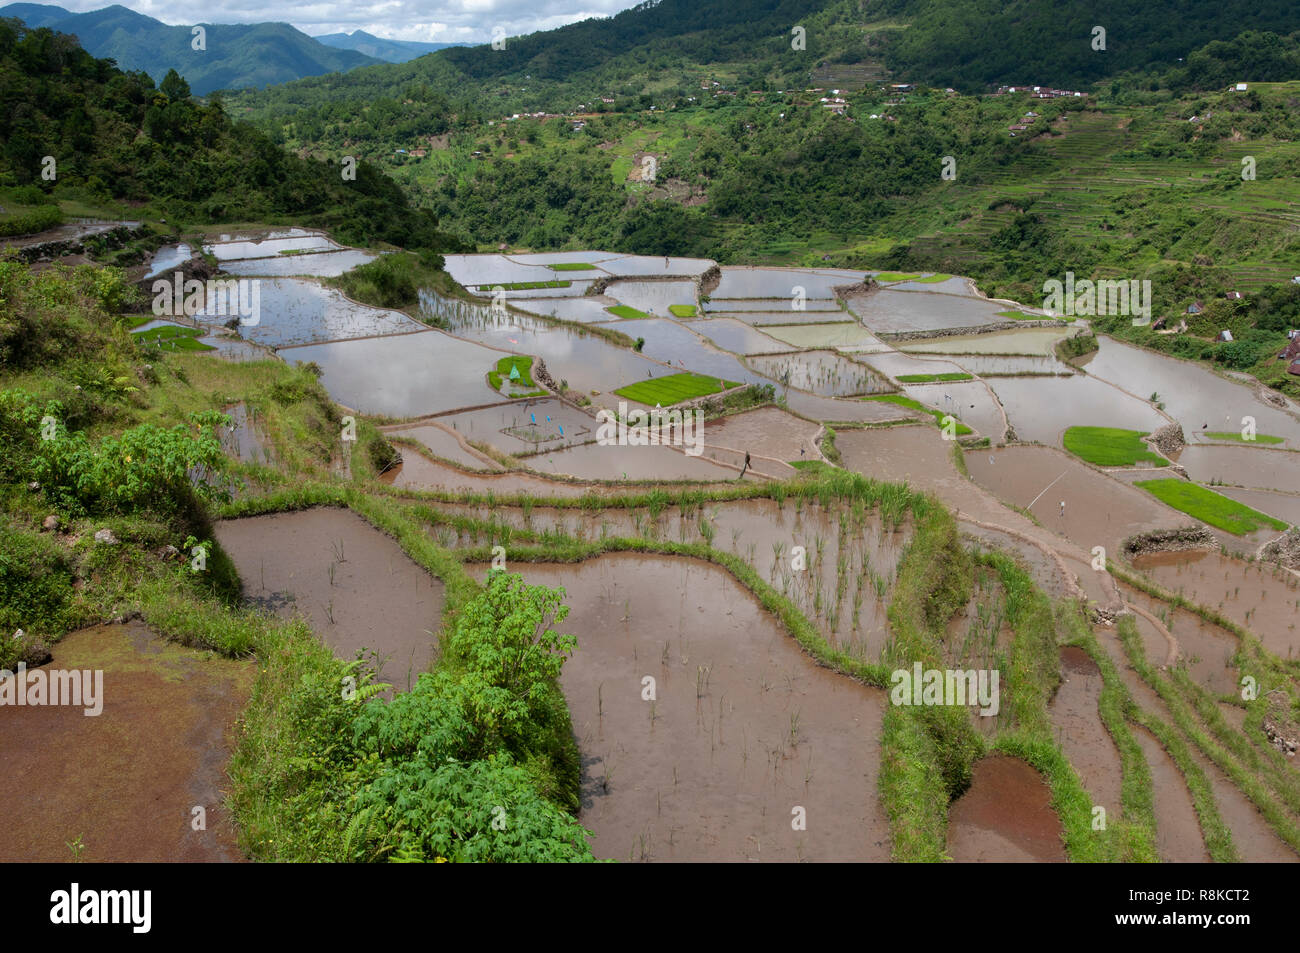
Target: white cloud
(449, 21)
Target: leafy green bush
(477, 811)
(390, 281)
(20, 431)
(147, 468)
(34, 220)
(381, 453)
(476, 763)
(35, 589)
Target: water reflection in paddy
(1191, 394)
(1041, 408)
(327, 264)
(404, 376)
(297, 311)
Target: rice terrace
(597, 474)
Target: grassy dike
(1210, 742)
(1040, 628)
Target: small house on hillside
(1195, 308)
(1294, 368)
(1225, 336)
(1234, 295)
(1292, 352)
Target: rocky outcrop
(1169, 439)
(977, 329)
(542, 376)
(1280, 727)
(196, 268)
(1169, 541)
(859, 289)
(1285, 550)
(53, 250)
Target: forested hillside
(662, 49)
(113, 137)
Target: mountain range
(391, 51)
(235, 55)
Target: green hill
(123, 146)
(234, 55)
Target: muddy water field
(357, 588)
(125, 781)
(841, 580)
(735, 734)
(705, 729)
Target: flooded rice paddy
(1256, 595)
(404, 376)
(1005, 816)
(354, 585)
(745, 727)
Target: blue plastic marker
(534, 416)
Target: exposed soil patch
(351, 582)
(125, 781)
(1005, 816)
(744, 727)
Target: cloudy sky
(436, 21)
